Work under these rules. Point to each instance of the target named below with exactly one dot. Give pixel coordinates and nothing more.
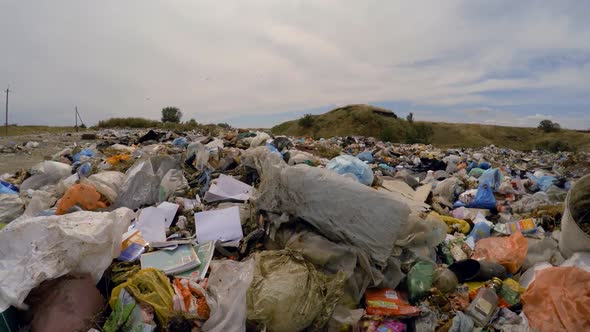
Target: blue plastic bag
(365, 156)
(484, 199)
(180, 142)
(485, 165)
(493, 177)
(386, 167)
(471, 166)
(273, 149)
(346, 164)
(85, 153)
(85, 170)
(545, 182)
(7, 188)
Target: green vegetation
(171, 114)
(128, 123)
(549, 126)
(365, 120)
(14, 130)
(555, 145)
(306, 121)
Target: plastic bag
(149, 286)
(11, 207)
(558, 300)
(190, 298)
(77, 243)
(448, 190)
(84, 195)
(227, 287)
(420, 279)
(289, 294)
(47, 172)
(484, 199)
(493, 177)
(366, 156)
(107, 183)
(346, 164)
(40, 201)
(388, 302)
(173, 183)
(508, 251)
(7, 188)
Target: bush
(224, 125)
(419, 133)
(554, 145)
(549, 126)
(127, 123)
(387, 134)
(306, 121)
(171, 114)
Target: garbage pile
(14, 147)
(179, 231)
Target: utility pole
(76, 108)
(6, 123)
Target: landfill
(154, 230)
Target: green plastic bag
(288, 294)
(420, 280)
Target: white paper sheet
(222, 224)
(226, 187)
(152, 224)
(170, 210)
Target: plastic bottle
(485, 303)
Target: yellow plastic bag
(149, 286)
(463, 225)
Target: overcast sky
(257, 63)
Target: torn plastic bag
(577, 205)
(149, 286)
(507, 251)
(289, 294)
(47, 172)
(77, 243)
(354, 213)
(346, 164)
(107, 183)
(448, 190)
(227, 288)
(173, 183)
(558, 300)
(40, 201)
(11, 207)
(484, 199)
(142, 181)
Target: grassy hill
(366, 120)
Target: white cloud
(539, 117)
(219, 60)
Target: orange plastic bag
(507, 251)
(118, 158)
(388, 302)
(82, 194)
(558, 300)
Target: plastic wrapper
(149, 286)
(388, 302)
(346, 164)
(558, 300)
(420, 279)
(80, 242)
(227, 287)
(508, 251)
(286, 285)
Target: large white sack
(37, 249)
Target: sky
(257, 63)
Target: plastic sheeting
(558, 300)
(142, 181)
(289, 294)
(330, 203)
(228, 283)
(77, 243)
(346, 164)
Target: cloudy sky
(257, 63)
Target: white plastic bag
(11, 207)
(107, 183)
(228, 283)
(37, 249)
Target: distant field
(33, 130)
